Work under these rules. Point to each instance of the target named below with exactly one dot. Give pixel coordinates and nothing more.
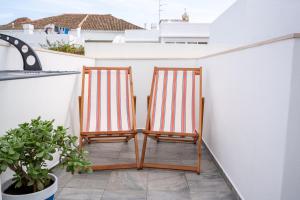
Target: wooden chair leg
(129, 138)
(136, 144)
(80, 141)
(143, 151)
(157, 138)
(199, 154)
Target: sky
(135, 11)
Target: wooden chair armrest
(134, 101)
(79, 104)
(148, 101)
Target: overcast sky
(135, 11)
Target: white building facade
(171, 32)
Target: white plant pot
(46, 194)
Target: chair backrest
(107, 99)
(174, 100)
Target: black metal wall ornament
(31, 61)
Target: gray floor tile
(208, 184)
(147, 183)
(96, 180)
(208, 169)
(79, 194)
(124, 195)
(212, 195)
(226, 195)
(207, 195)
(104, 161)
(167, 181)
(128, 180)
(168, 195)
(63, 176)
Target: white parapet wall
(249, 21)
(144, 50)
(143, 57)
(250, 117)
(54, 97)
(250, 111)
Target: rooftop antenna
(160, 5)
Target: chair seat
(173, 102)
(108, 102)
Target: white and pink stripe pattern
(173, 102)
(107, 101)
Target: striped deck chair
(107, 109)
(173, 107)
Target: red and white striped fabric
(107, 104)
(173, 102)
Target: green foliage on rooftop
(61, 46)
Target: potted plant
(26, 149)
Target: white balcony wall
(142, 35)
(102, 36)
(291, 175)
(251, 121)
(53, 97)
(251, 111)
(249, 21)
(142, 58)
(144, 51)
(184, 29)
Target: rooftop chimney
(185, 16)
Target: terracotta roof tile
(73, 21)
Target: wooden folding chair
(172, 112)
(107, 109)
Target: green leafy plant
(26, 149)
(64, 47)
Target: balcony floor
(148, 184)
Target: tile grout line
(188, 186)
(147, 184)
(221, 171)
(102, 196)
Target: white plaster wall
(141, 35)
(144, 50)
(100, 35)
(53, 97)
(183, 29)
(249, 21)
(291, 175)
(246, 116)
(24, 99)
(251, 110)
(10, 59)
(184, 40)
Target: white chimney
(28, 28)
